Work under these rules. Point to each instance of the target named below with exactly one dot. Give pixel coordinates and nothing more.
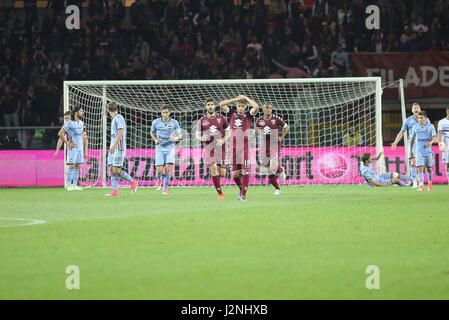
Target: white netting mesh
(317, 149)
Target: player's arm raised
(62, 136)
(254, 106)
(378, 156)
(224, 104)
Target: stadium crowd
(208, 39)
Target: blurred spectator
(9, 109)
(339, 59)
(277, 8)
(344, 14)
(414, 43)
(352, 138)
(320, 7)
(418, 25)
(295, 72)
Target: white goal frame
(105, 83)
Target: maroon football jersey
(240, 125)
(266, 126)
(242, 122)
(213, 127)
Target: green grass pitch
(309, 243)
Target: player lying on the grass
(240, 122)
(165, 131)
(213, 130)
(73, 134)
(423, 136)
(117, 151)
(407, 126)
(60, 142)
(271, 142)
(443, 138)
(383, 179)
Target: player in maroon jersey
(270, 147)
(213, 130)
(240, 121)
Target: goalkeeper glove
(442, 148)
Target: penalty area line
(25, 222)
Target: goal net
(332, 123)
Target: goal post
(404, 117)
(332, 121)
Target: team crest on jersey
(218, 120)
(273, 121)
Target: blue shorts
(165, 156)
(383, 178)
(116, 159)
(75, 156)
(426, 161)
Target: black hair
(422, 113)
(75, 110)
(366, 156)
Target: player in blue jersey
(423, 136)
(383, 179)
(117, 151)
(407, 127)
(443, 138)
(165, 131)
(73, 134)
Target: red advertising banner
(302, 166)
(425, 74)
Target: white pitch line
(28, 222)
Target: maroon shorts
(240, 159)
(214, 156)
